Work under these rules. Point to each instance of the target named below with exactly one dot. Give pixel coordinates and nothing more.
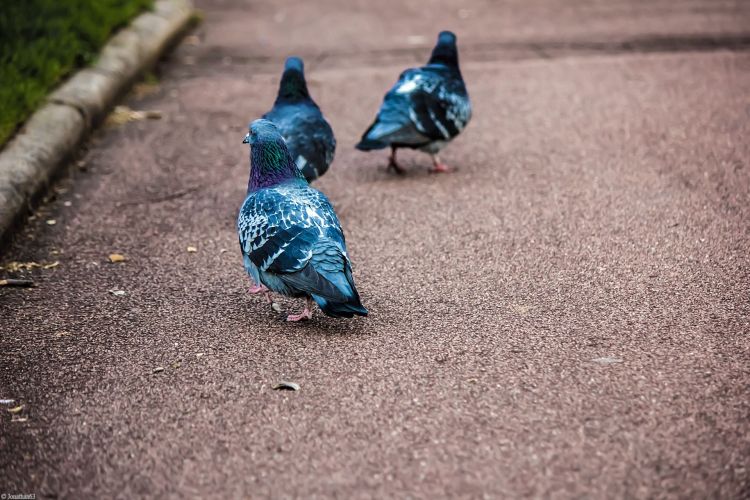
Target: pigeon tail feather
(340, 309)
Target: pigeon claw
(440, 168)
(304, 315)
(396, 167)
(255, 289)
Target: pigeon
(290, 236)
(307, 133)
(425, 109)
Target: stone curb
(54, 132)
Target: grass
(43, 41)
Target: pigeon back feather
(426, 105)
(291, 240)
(308, 135)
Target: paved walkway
(567, 316)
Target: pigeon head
(293, 86)
(270, 161)
(445, 52)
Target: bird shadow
(325, 326)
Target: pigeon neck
(271, 164)
(446, 55)
(292, 87)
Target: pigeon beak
(246, 140)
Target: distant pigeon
(307, 133)
(425, 109)
(290, 237)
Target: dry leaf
(51, 222)
(116, 257)
(16, 418)
(16, 409)
(21, 266)
(192, 249)
(123, 114)
(607, 360)
(117, 293)
(142, 89)
(286, 386)
(158, 369)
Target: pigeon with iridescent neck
(307, 133)
(425, 109)
(290, 237)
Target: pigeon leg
(305, 314)
(438, 167)
(255, 289)
(392, 163)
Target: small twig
(16, 282)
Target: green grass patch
(42, 41)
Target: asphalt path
(566, 316)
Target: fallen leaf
(142, 89)
(116, 257)
(286, 386)
(198, 355)
(606, 360)
(192, 40)
(61, 334)
(51, 222)
(51, 265)
(158, 369)
(16, 418)
(520, 309)
(123, 114)
(16, 409)
(192, 249)
(25, 266)
(117, 293)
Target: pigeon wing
(285, 235)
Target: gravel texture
(566, 316)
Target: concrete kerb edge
(55, 131)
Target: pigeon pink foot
(305, 314)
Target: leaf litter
(116, 257)
(26, 266)
(123, 114)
